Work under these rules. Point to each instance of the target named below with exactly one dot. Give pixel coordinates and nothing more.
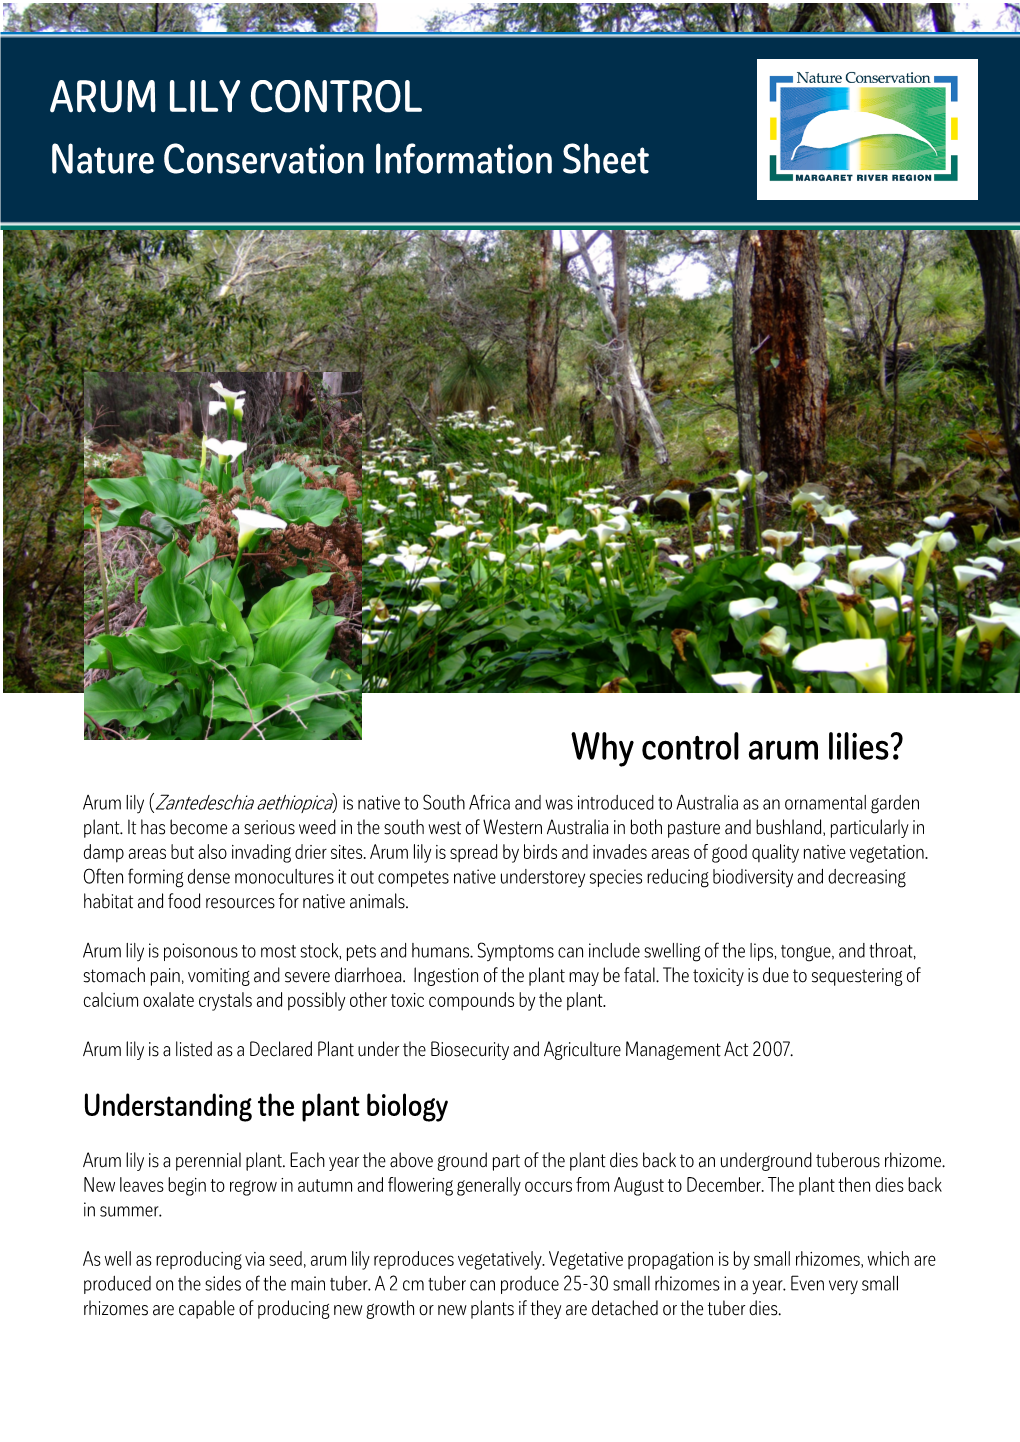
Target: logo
(867, 130)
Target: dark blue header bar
(470, 130)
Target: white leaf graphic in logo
(842, 127)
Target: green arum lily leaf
(229, 618)
(290, 602)
(297, 645)
(164, 498)
(205, 571)
(284, 488)
(248, 692)
(279, 479)
(126, 491)
(95, 656)
(317, 508)
(159, 467)
(170, 599)
(135, 649)
(316, 722)
(131, 700)
(198, 643)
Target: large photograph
(646, 461)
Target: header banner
(509, 130)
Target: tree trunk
(793, 376)
(889, 19)
(743, 364)
(24, 651)
(541, 358)
(628, 439)
(368, 19)
(999, 262)
(623, 360)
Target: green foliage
(506, 569)
(199, 669)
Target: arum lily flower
(890, 572)
(459, 501)
(1010, 615)
(248, 522)
(866, 661)
(751, 606)
(448, 532)
(556, 539)
(839, 588)
(861, 570)
(411, 564)
(423, 609)
(227, 450)
(947, 542)
(967, 575)
(538, 506)
(532, 530)
(682, 499)
(230, 398)
(996, 544)
(885, 611)
(774, 642)
(962, 637)
(939, 523)
(989, 628)
(803, 499)
(603, 533)
(703, 552)
(820, 553)
(743, 682)
(432, 584)
(842, 520)
(780, 539)
(901, 551)
(497, 557)
(798, 577)
(990, 564)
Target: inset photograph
(223, 556)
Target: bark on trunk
(622, 358)
(743, 363)
(793, 375)
(368, 19)
(541, 359)
(628, 438)
(999, 262)
(889, 19)
(24, 649)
